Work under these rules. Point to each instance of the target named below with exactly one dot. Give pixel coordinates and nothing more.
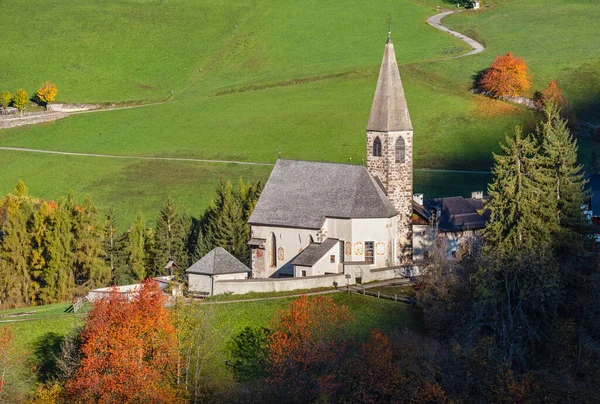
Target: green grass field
(38, 336)
(254, 80)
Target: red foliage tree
(129, 351)
(552, 94)
(507, 76)
(307, 346)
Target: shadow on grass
(45, 354)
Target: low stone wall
(243, 286)
(30, 119)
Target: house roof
(314, 252)
(389, 111)
(458, 213)
(302, 194)
(217, 262)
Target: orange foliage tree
(129, 351)
(507, 76)
(307, 345)
(552, 94)
(47, 93)
(6, 355)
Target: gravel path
(436, 22)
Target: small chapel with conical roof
(315, 219)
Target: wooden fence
(379, 295)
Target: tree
(170, 238)
(522, 217)
(135, 247)
(129, 351)
(225, 223)
(197, 343)
(567, 179)
(20, 99)
(248, 351)
(552, 95)
(307, 346)
(5, 99)
(507, 76)
(46, 93)
(90, 268)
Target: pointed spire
(389, 111)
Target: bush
(507, 76)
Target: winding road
(435, 21)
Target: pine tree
(566, 177)
(226, 221)
(522, 217)
(89, 265)
(135, 247)
(170, 238)
(15, 251)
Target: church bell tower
(390, 147)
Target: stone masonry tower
(390, 147)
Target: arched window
(273, 252)
(377, 147)
(400, 150)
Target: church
(316, 218)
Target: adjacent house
(215, 266)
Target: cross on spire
(389, 27)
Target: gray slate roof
(314, 252)
(302, 194)
(458, 213)
(389, 111)
(217, 262)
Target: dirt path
(436, 22)
(249, 163)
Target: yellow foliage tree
(5, 98)
(20, 99)
(47, 93)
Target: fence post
(378, 294)
(395, 297)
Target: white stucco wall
(290, 242)
(423, 240)
(353, 232)
(381, 231)
(200, 283)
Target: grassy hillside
(38, 337)
(255, 79)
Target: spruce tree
(90, 268)
(135, 247)
(225, 221)
(115, 255)
(522, 217)
(170, 238)
(15, 251)
(566, 177)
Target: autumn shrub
(129, 351)
(307, 346)
(552, 94)
(507, 76)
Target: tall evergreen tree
(225, 221)
(566, 177)
(135, 247)
(170, 238)
(90, 268)
(15, 251)
(522, 217)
